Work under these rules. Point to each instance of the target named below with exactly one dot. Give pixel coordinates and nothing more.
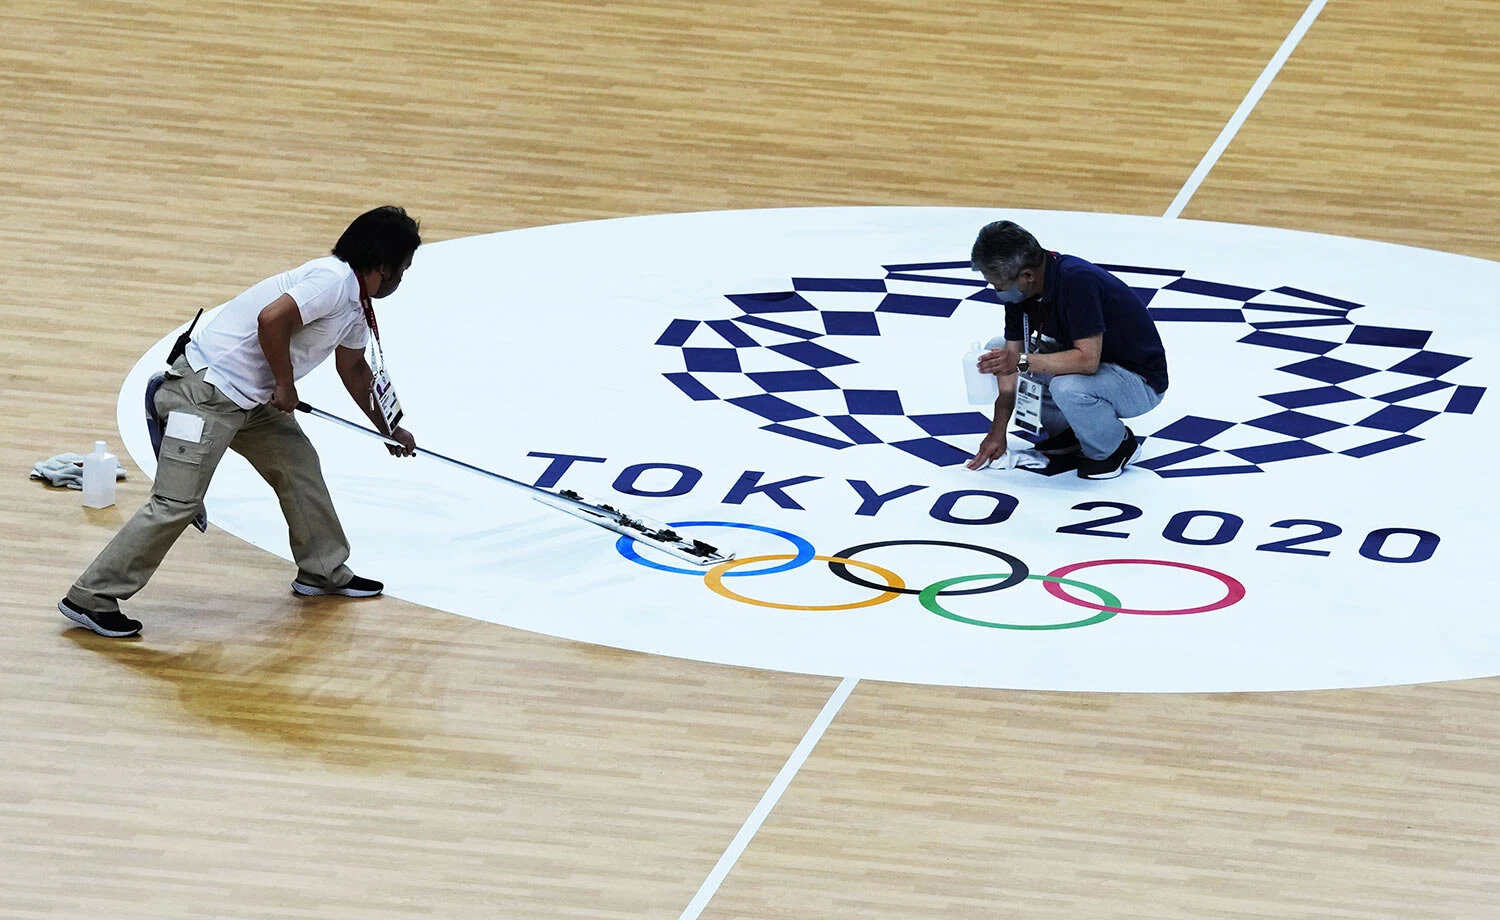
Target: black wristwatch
(1023, 363)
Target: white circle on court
(1311, 509)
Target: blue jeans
(1093, 404)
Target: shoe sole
(1064, 451)
(310, 591)
(1113, 474)
(88, 624)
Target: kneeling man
(1085, 340)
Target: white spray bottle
(99, 477)
(983, 388)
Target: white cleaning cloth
(67, 470)
(1020, 459)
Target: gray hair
(1004, 249)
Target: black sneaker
(110, 623)
(1060, 444)
(356, 587)
(1115, 463)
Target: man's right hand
(284, 397)
(990, 450)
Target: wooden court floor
(256, 756)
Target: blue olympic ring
(625, 546)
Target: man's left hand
(408, 446)
(999, 361)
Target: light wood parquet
(254, 756)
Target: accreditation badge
(1028, 412)
(385, 397)
(384, 393)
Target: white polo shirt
(327, 295)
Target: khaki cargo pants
(274, 444)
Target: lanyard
(382, 393)
(1052, 258)
(369, 310)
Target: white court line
(768, 801)
(1243, 112)
(836, 702)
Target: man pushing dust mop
(236, 388)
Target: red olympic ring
(1236, 591)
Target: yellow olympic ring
(714, 578)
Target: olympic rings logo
(892, 586)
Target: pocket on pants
(181, 473)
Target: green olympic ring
(929, 599)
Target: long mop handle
(607, 516)
(355, 426)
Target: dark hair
(382, 238)
(1005, 249)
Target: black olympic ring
(1018, 569)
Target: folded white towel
(66, 470)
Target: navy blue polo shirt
(1079, 299)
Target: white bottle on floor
(99, 477)
(983, 388)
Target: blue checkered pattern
(1348, 389)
